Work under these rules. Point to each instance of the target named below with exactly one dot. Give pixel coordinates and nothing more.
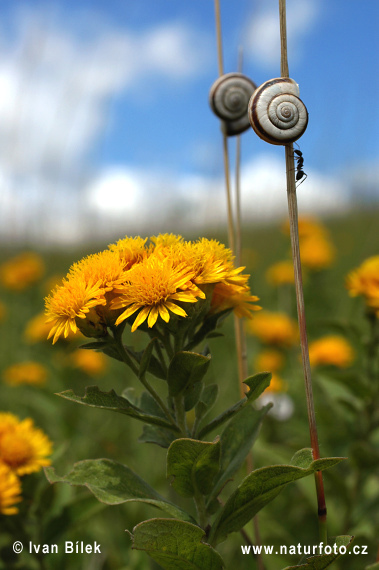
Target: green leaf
(148, 362)
(186, 368)
(206, 401)
(257, 384)
(95, 398)
(236, 441)
(223, 417)
(97, 345)
(113, 484)
(188, 462)
(374, 566)
(154, 434)
(259, 488)
(319, 562)
(191, 395)
(176, 545)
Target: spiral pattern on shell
(229, 98)
(276, 113)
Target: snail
(229, 97)
(276, 113)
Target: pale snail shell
(276, 113)
(229, 97)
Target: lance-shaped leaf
(257, 384)
(207, 400)
(319, 562)
(186, 369)
(148, 362)
(236, 441)
(192, 465)
(176, 545)
(260, 487)
(95, 398)
(113, 483)
(158, 435)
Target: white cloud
(55, 85)
(263, 34)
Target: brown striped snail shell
(276, 113)
(229, 97)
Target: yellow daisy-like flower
(71, 301)
(274, 328)
(331, 350)
(92, 363)
(10, 490)
(365, 281)
(22, 271)
(24, 448)
(130, 250)
(226, 296)
(270, 360)
(25, 373)
(281, 273)
(152, 287)
(104, 268)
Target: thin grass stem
(294, 231)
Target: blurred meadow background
(106, 131)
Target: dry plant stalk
(294, 232)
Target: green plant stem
(201, 509)
(180, 414)
(158, 399)
(126, 358)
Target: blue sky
(105, 119)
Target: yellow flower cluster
(365, 281)
(29, 372)
(22, 271)
(149, 280)
(331, 350)
(316, 250)
(24, 449)
(274, 328)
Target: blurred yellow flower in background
(308, 226)
(277, 385)
(365, 281)
(281, 273)
(3, 312)
(10, 490)
(271, 360)
(37, 329)
(22, 271)
(316, 249)
(274, 328)
(29, 372)
(331, 350)
(23, 447)
(91, 362)
(316, 252)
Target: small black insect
(298, 155)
